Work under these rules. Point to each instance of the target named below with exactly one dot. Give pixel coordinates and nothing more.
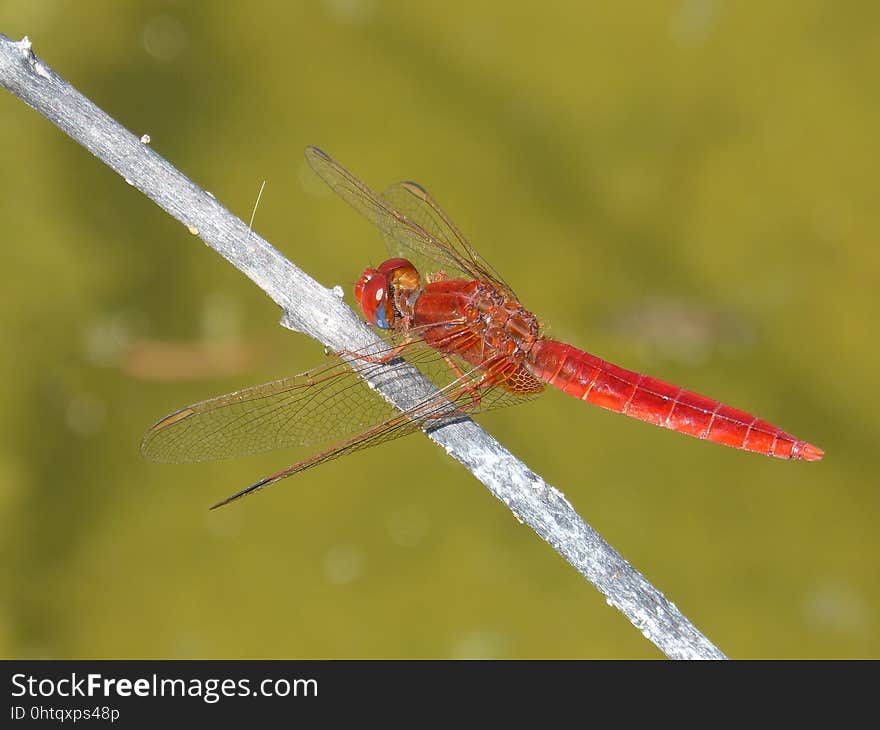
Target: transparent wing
(326, 403)
(419, 206)
(495, 384)
(409, 239)
(320, 404)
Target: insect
(444, 309)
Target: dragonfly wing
(327, 402)
(410, 239)
(419, 206)
(493, 385)
(320, 405)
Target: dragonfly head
(388, 293)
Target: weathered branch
(320, 313)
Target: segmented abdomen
(623, 391)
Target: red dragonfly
(465, 329)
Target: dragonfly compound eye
(372, 293)
(402, 274)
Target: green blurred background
(687, 188)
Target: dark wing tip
(413, 187)
(244, 492)
(313, 152)
(149, 441)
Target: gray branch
(319, 312)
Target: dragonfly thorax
(504, 325)
(475, 320)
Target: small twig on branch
(317, 311)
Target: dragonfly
(444, 309)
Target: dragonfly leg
(383, 359)
(472, 391)
(494, 373)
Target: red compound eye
(372, 293)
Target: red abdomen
(623, 391)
